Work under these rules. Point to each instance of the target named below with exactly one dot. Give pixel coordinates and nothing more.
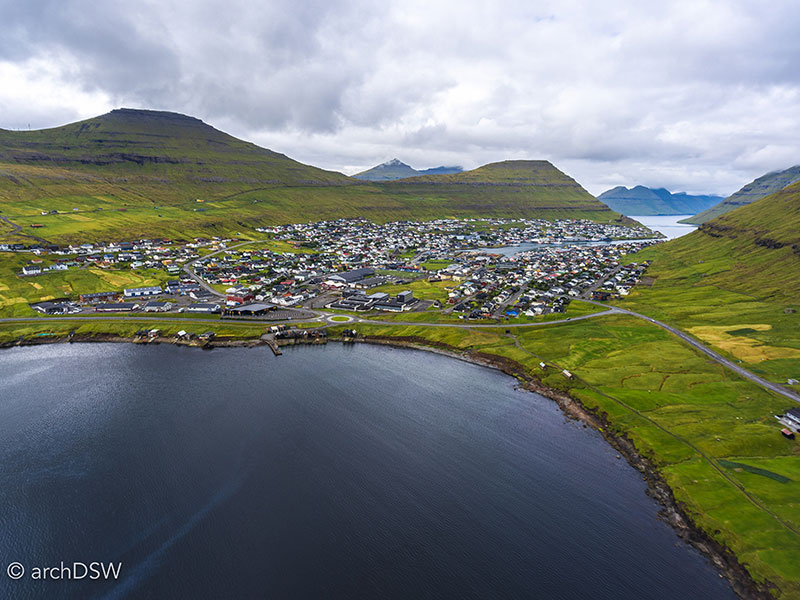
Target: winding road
(327, 320)
(17, 230)
(775, 387)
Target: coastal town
(487, 269)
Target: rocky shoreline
(672, 512)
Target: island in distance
(395, 169)
(645, 201)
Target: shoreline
(723, 559)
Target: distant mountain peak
(394, 163)
(394, 169)
(641, 200)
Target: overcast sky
(694, 95)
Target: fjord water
(335, 472)
(667, 224)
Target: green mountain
(642, 201)
(757, 246)
(511, 183)
(733, 283)
(137, 173)
(146, 144)
(394, 169)
(761, 187)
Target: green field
(422, 288)
(17, 291)
(435, 265)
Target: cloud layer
(698, 96)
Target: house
(55, 308)
(154, 306)
(238, 295)
(116, 307)
(142, 291)
(203, 307)
(99, 297)
(31, 270)
(176, 287)
(792, 418)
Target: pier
(272, 343)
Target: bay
(667, 224)
(334, 471)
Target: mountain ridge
(644, 201)
(137, 173)
(757, 189)
(151, 137)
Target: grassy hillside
(145, 143)
(134, 173)
(760, 188)
(512, 183)
(734, 284)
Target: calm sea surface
(668, 225)
(329, 472)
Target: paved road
(325, 320)
(467, 325)
(147, 319)
(775, 387)
(187, 268)
(319, 317)
(17, 230)
(587, 293)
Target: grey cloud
(704, 96)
